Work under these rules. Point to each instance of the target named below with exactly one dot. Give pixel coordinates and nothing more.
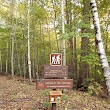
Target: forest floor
(20, 95)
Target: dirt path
(17, 95)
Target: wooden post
(53, 106)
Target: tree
(63, 31)
(7, 57)
(84, 67)
(12, 36)
(0, 62)
(99, 44)
(29, 61)
(69, 30)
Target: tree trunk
(16, 46)
(42, 43)
(69, 23)
(24, 50)
(75, 58)
(0, 62)
(99, 44)
(13, 35)
(6, 56)
(63, 31)
(55, 29)
(83, 71)
(35, 41)
(18, 58)
(29, 61)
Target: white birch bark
(29, 61)
(63, 31)
(99, 43)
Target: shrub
(46, 92)
(46, 104)
(64, 97)
(94, 88)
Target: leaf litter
(19, 95)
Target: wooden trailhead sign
(55, 59)
(55, 71)
(55, 84)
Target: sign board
(55, 84)
(55, 59)
(55, 71)
(55, 96)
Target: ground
(19, 95)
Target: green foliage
(70, 75)
(46, 92)
(38, 12)
(43, 39)
(94, 88)
(109, 59)
(68, 35)
(89, 79)
(82, 24)
(46, 104)
(64, 97)
(88, 35)
(91, 59)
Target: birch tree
(29, 62)
(99, 44)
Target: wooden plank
(54, 84)
(55, 71)
(55, 93)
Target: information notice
(55, 84)
(55, 71)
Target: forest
(30, 30)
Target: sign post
(53, 106)
(55, 60)
(54, 71)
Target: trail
(18, 95)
